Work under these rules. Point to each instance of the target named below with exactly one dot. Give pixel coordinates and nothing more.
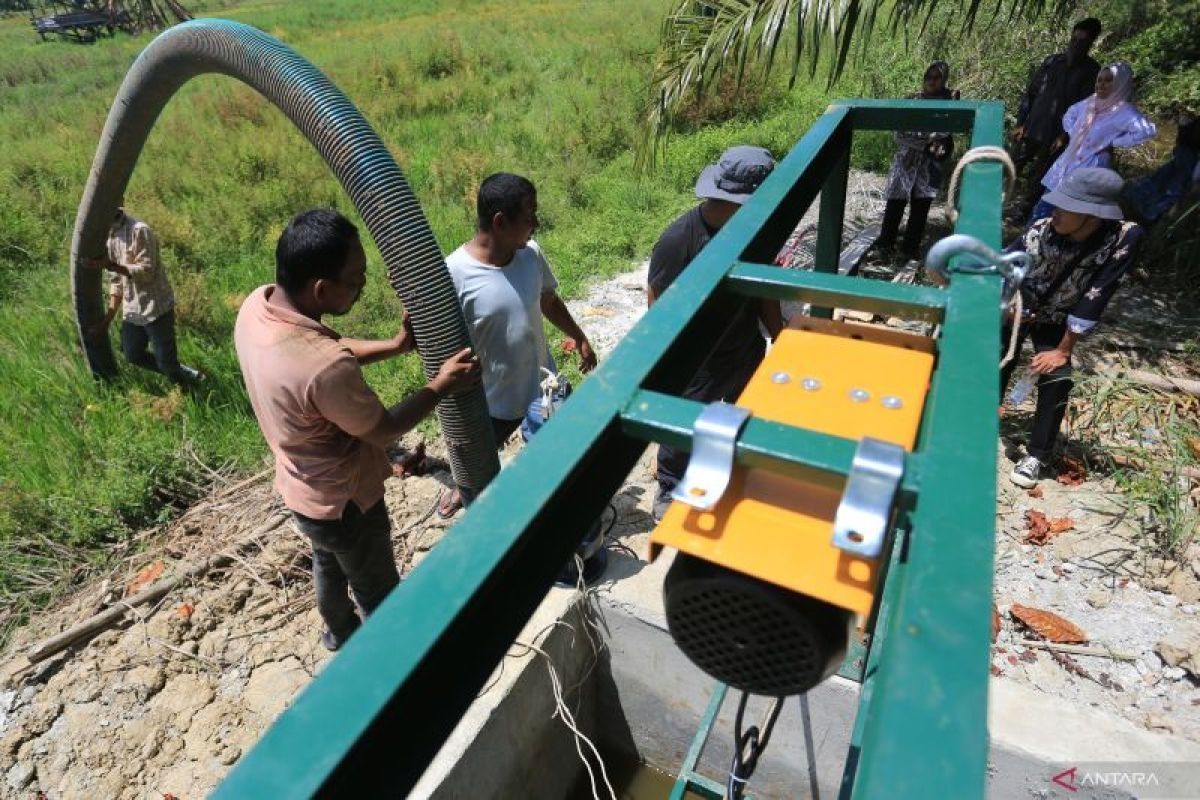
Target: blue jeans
(159, 335)
(354, 551)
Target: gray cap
(736, 176)
(1090, 190)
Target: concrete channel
(641, 701)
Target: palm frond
(703, 39)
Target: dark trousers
(706, 387)
(1032, 160)
(159, 336)
(354, 551)
(1052, 388)
(893, 212)
(504, 428)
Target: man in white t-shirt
(505, 287)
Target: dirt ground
(165, 703)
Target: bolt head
(780, 377)
(892, 402)
(810, 384)
(860, 395)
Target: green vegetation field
(457, 90)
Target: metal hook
(983, 260)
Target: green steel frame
(372, 721)
(689, 779)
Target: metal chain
(748, 745)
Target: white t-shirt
(502, 306)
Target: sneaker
(329, 641)
(1027, 472)
(662, 501)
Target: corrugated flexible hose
(415, 264)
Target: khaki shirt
(146, 292)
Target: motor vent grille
(752, 635)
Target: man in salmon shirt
(326, 427)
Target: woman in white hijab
(1097, 124)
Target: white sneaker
(1027, 472)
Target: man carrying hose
(505, 288)
(326, 427)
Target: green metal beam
(371, 722)
(833, 212)
(389, 699)
(689, 779)
(922, 303)
(802, 173)
(880, 627)
(785, 449)
(928, 700)
(940, 116)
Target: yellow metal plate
(780, 529)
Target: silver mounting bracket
(714, 441)
(861, 522)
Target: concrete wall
(509, 744)
(654, 699)
(642, 700)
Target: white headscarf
(1122, 90)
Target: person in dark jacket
(1150, 198)
(1079, 254)
(722, 189)
(1062, 80)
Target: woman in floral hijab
(916, 173)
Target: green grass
(553, 90)
(550, 90)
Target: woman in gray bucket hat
(1079, 254)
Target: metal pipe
(415, 264)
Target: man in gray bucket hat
(722, 188)
(1078, 254)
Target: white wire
(549, 386)
(562, 710)
(569, 720)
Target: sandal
(448, 505)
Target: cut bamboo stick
(1079, 650)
